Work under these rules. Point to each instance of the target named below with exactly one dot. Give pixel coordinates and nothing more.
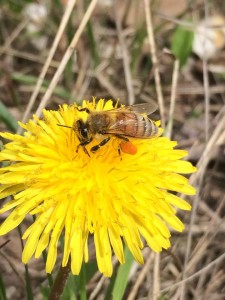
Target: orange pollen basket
(128, 147)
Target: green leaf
(76, 284)
(2, 289)
(90, 268)
(7, 118)
(108, 293)
(182, 41)
(71, 289)
(45, 292)
(31, 80)
(27, 275)
(137, 44)
(122, 276)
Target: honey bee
(123, 123)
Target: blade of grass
(137, 44)
(7, 118)
(83, 295)
(93, 45)
(71, 288)
(31, 80)
(108, 294)
(2, 289)
(76, 284)
(49, 276)
(122, 276)
(27, 275)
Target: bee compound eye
(84, 132)
(82, 129)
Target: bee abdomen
(146, 128)
(151, 128)
(135, 125)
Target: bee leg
(102, 143)
(85, 150)
(122, 137)
(83, 144)
(119, 152)
(83, 109)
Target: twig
(83, 89)
(66, 57)
(202, 166)
(189, 237)
(97, 288)
(125, 55)
(156, 278)
(4, 244)
(105, 82)
(173, 98)
(141, 277)
(185, 24)
(147, 4)
(63, 23)
(100, 281)
(14, 267)
(13, 35)
(206, 239)
(187, 279)
(206, 80)
(31, 57)
(198, 176)
(198, 90)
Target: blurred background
(55, 52)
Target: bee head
(82, 129)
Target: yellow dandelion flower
(117, 198)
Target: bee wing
(147, 108)
(142, 108)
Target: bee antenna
(64, 126)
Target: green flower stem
(60, 282)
